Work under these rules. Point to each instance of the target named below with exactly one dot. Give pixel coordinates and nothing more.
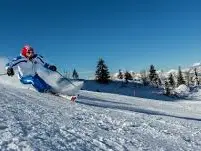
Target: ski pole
(2, 74)
(66, 79)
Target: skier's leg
(27, 80)
(40, 84)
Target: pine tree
(128, 76)
(180, 79)
(153, 76)
(157, 80)
(152, 73)
(75, 74)
(167, 88)
(120, 75)
(197, 82)
(102, 73)
(171, 80)
(187, 77)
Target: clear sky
(127, 34)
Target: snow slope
(98, 121)
(130, 89)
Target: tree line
(151, 78)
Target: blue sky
(127, 34)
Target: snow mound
(182, 90)
(196, 95)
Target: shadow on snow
(126, 107)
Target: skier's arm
(13, 65)
(41, 61)
(46, 65)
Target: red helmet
(25, 49)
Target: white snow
(182, 90)
(98, 121)
(173, 71)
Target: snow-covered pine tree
(171, 80)
(152, 73)
(187, 77)
(167, 88)
(120, 75)
(197, 82)
(102, 73)
(153, 76)
(157, 81)
(75, 74)
(180, 78)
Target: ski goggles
(30, 52)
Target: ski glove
(53, 68)
(10, 72)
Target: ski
(72, 98)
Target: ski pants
(38, 83)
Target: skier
(27, 65)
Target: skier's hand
(10, 72)
(53, 68)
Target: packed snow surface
(98, 121)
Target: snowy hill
(98, 121)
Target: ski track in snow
(106, 122)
